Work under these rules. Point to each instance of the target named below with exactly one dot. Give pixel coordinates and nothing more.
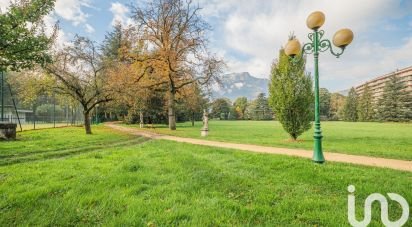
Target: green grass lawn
(54, 143)
(120, 181)
(30, 126)
(389, 140)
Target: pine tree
(350, 111)
(221, 108)
(337, 103)
(113, 42)
(259, 109)
(366, 107)
(395, 103)
(324, 103)
(291, 95)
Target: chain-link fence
(45, 110)
(43, 116)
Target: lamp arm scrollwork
(311, 36)
(321, 34)
(325, 45)
(308, 48)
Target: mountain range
(235, 85)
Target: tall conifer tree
(291, 95)
(395, 103)
(350, 111)
(366, 108)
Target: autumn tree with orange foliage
(175, 32)
(129, 80)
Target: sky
(249, 33)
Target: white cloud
(257, 29)
(89, 29)
(50, 21)
(3, 5)
(71, 10)
(120, 14)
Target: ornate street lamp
(341, 39)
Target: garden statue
(205, 129)
(141, 121)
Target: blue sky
(248, 34)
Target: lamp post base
(317, 152)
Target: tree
(195, 102)
(240, 106)
(232, 115)
(79, 70)
(126, 84)
(395, 103)
(324, 103)
(221, 108)
(259, 109)
(337, 103)
(176, 32)
(365, 106)
(127, 80)
(47, 111)
(291, 95)
(350, 112)
(113, 42)
(22, 46)
(30, 86)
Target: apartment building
(377, 85)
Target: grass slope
(167, 183)
(58, 139)
(388, 140)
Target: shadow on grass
(61, 153)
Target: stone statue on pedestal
(205, 129)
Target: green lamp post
(341, 39)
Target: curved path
(332, 157)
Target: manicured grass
(46, 140)
(30, 126)
(160, 183)
(388, 140)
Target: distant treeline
(395, 104)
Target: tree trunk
(171, 108)
(87, 122)
(193, 119)
(141, 120)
